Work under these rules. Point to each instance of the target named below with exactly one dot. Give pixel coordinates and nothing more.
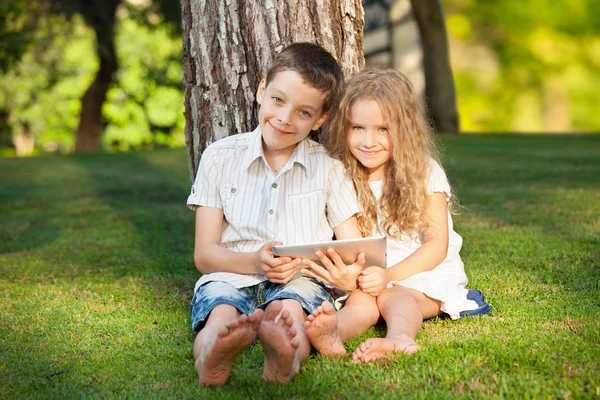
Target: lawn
(96, 276)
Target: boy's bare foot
(322, 331)
(280, 341)
(215, 355)
(373, 349)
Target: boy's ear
(261, 91)
(319, 122)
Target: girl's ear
(261, 91)
(319, 122)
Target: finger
(313, 275)
(325, 260)
(317, 269)
(370, 284)
(360, 260)
(279, 277)
(289, 266)
(273, 262)
(335, 257)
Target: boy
(252, 191)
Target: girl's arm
(334, 272)
(431, 253)
(210, 256)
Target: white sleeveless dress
(447, 282)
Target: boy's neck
(276, 159)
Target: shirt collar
(254, 150)
(299, 156)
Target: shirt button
(274, 186)
(233, 190)
(271, 211)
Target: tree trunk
(228, 46)
(90, 120)
(439, 83)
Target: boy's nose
(284, 116)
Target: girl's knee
(394, 294)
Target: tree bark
(439, 83)
(229, 44)
(91, 126)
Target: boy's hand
(277, 269)
(334, 272)
(373, 280)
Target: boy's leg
(403, 310)
(286, 346)
(282, 329)
(226, 332)
(328, 330)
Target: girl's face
(369, 138)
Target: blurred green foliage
(41, 89)
(526, 66)
(518, 66)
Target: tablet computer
(374, 248)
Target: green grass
(96, 275)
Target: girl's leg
(226, 334)
(328, 330)
(403, 309)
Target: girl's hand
(277, 269)
(334, 272)
(373, 280)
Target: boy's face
(289, 110)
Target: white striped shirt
(300, 204)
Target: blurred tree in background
(526, 66)
(42, 86)
(518, 66)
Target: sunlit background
(531, 67)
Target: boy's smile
(289, 110)
(369, 138)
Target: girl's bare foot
(215, 353)
(322, 331)
(373, 349)
(280, 341)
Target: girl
(388, 149)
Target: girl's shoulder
(437, 179)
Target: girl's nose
(369, 139)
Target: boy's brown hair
(315, 65)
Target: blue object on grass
(479, 298)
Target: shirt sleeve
(342, 202)
(438, 182)
(205, 190)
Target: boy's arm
(210, 256)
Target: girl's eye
(357, 128)
(305, 114)
(383, 129)
(277, 99)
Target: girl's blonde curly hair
(404, 195)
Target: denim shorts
(307, 291)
